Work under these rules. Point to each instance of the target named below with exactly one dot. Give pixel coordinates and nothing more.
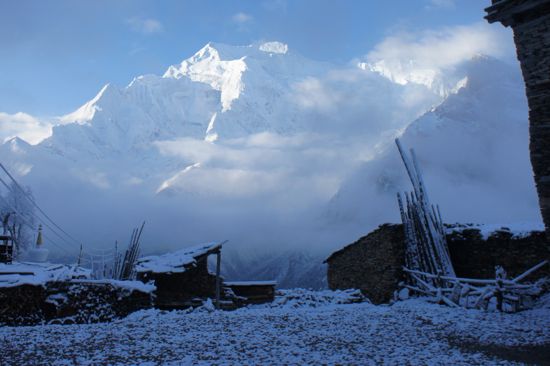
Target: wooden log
(418, 289)
(457, 279)
(529, 271)
(424, 283)
(447, 301)
(218, 282)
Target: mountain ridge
(297, 154)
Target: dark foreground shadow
(531, 355)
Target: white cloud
(431, 57)
(23, 126)
(145, 25)
(284, 168)
(351, 102)
(445, 4)
(241, 18)
(444, 47)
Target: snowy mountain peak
(209, 67)
(17, 144)
(87, 111)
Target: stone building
(373, 264)
(182, 278)
(530, 20)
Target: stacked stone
(530, 20)
(69, 302)
(476, 257)
(373, 264)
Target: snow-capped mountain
(220, 92)
(230, 95)
(254, 82)
(250, 143)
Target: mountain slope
(473, 149)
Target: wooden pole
(218, 265)
(529, 271)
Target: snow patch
(39, 274)
(169, 183)
(518, 230)
(411, 332)
(126, 285)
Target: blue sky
(55, 55)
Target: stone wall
(533, 47)
(530, 20)
(68, 302)
(373, 264)
(474, 257)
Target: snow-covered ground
(309, 328)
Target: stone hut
(182, 278)
(373, 264)
(530, 20)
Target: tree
(17, 215)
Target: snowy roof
(518, 230)
(127, 285)
(175, 262)
(28, 273)
(250, 283)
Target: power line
(35, 204)
(39, 219)
(36, 217)
(25, 221)
(104, 252)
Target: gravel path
(408, 333)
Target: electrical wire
(31, 200)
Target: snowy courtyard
(303, 330)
